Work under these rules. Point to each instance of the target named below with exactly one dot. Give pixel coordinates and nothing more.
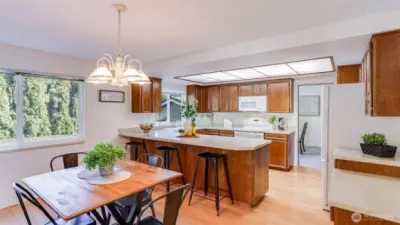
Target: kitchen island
(248, 160)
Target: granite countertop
(372, 195)
(170, 135)
(251, 128)
(358, 156)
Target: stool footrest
(211, 199)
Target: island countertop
(171, 135)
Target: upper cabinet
(196, 92)
(253, 89)
(225, 98)
(280, 96)
(348, 74)
(380, 70)
(146, 98)
(228, 98)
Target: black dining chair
(23, 193)
(126, 206)
(69, 160)
(173, 202)
(301, 140)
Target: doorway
(310, 101)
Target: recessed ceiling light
(276, 70)
(312, 66)
(246, 73)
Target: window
(171, 107)
(38, 110)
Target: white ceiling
(163, 29)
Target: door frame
(324, 112)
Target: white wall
(102, 119)
(313, 133)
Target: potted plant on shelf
(272, 121)
(189, 112)
(104, 156)
(376, 145)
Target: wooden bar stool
(166, 151)
(133, 146)
(214, 157)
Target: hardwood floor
(294, 198)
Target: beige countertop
(251, 128)
(357, 155)
(211, 141)
(372, 195)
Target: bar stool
(214, 157)
(134, 145)
(166, 151)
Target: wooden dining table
(70, 196)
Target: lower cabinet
(280, 151)
(226, 133)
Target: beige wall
(102, 119)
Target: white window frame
(21, 144)
(168, 121)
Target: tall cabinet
(146, 98)
(380, 71)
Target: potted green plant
(104, 156)
(376, 145)
(272, 121)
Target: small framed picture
(111, 96)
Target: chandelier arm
(135, 60)
(102, 59)
(110, 59)
(126, 58)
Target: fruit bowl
(146, 127)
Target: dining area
(108, 189)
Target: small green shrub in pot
(104, 156)
(376, 145)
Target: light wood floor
(295, 198)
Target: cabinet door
(280, 96)
(156, 94)
(348, 74)
(213, 97)
(195, 91)
(205, 100)
(224, 99)
(233, 98)
(146, 98)
(260, 89)
(246, 90)
(278, 153)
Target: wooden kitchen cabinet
(253, 89)
(212, 98)
(260, 88)
(245, 89)
(227, 133)
(197, 92)
(348, 74)
(156, 94)
(381, 69)
(228, 98)
(212, 132)
(280, 96)
(146, 98)
(280, 151)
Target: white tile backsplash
(243, 118)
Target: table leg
(103, 220)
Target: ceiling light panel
(219, 76)
(200, 78)
(246, 73)
(276, 70)
(312, 66)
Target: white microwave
(253, 104)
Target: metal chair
(301, 141)
(126, 206)
(173, 202)
(23, 193)
(166, 150)
(69, 160)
